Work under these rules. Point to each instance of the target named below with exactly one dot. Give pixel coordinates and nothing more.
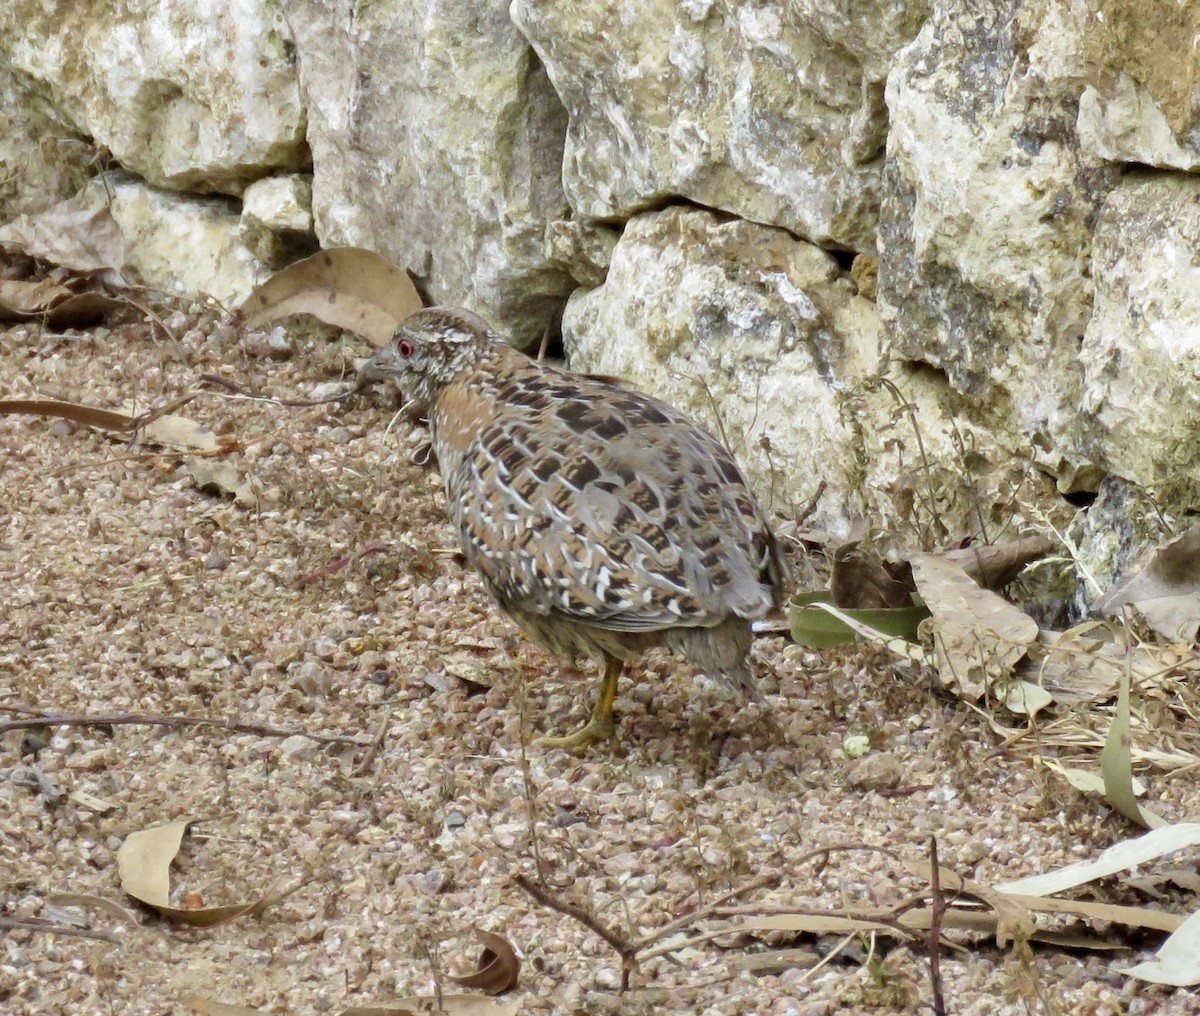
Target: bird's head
(429, 350)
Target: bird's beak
(383, 365)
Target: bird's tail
(720, 651)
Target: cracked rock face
(986, 234)
(1141, 352)
(1013, 176)
(771, 112)
(1142, 101)
(437, 141)
(188, 98)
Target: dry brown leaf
(994, 566)
(82, 239)
(81, 309)
(144, 866)
(144, 862)
(1013, 922)
(862, 580)
(775, 961)
(1119, 857)
(1165, 589)
(27, 298)
(1177, 961)
(1133, 917)
(62, 308)
(1189, 881)
(92, 416)
(349, 287)
(1077, 666)
(1023, 697)
(452, 1005)
(498, 968)
(984, 922)
(89, 902)
(812, 924)
(978, 635)
(1073, 666)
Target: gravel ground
(336, 604)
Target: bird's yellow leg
(601, 726)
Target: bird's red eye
(404, 348)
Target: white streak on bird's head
(430, 349)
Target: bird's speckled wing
(579, 499)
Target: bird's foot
(596, 730)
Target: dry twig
(216, 379)
(701, 913)
(40, 719)
(50, 928)
(625, 949)
(938, 908)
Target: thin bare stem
(935, 930)
(50, 928)
(625, 949)
(172, 722)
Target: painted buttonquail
(602, 520)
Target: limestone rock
(1141, 352)
(43, 159)
(181, 244)
(1142, 103)
(1125, 124)
(199, 97)
(583, 250)
(986, 242)
(437, 141)
(282, 204)
(773, 112)
(277, 219)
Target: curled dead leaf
(862, 579)
(1177, 961)
(978, 635)
(498, 968)
(144, 865)
(994, 566)
(21, 299)
(1165, 589)
(348, 287)
(67, 234)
